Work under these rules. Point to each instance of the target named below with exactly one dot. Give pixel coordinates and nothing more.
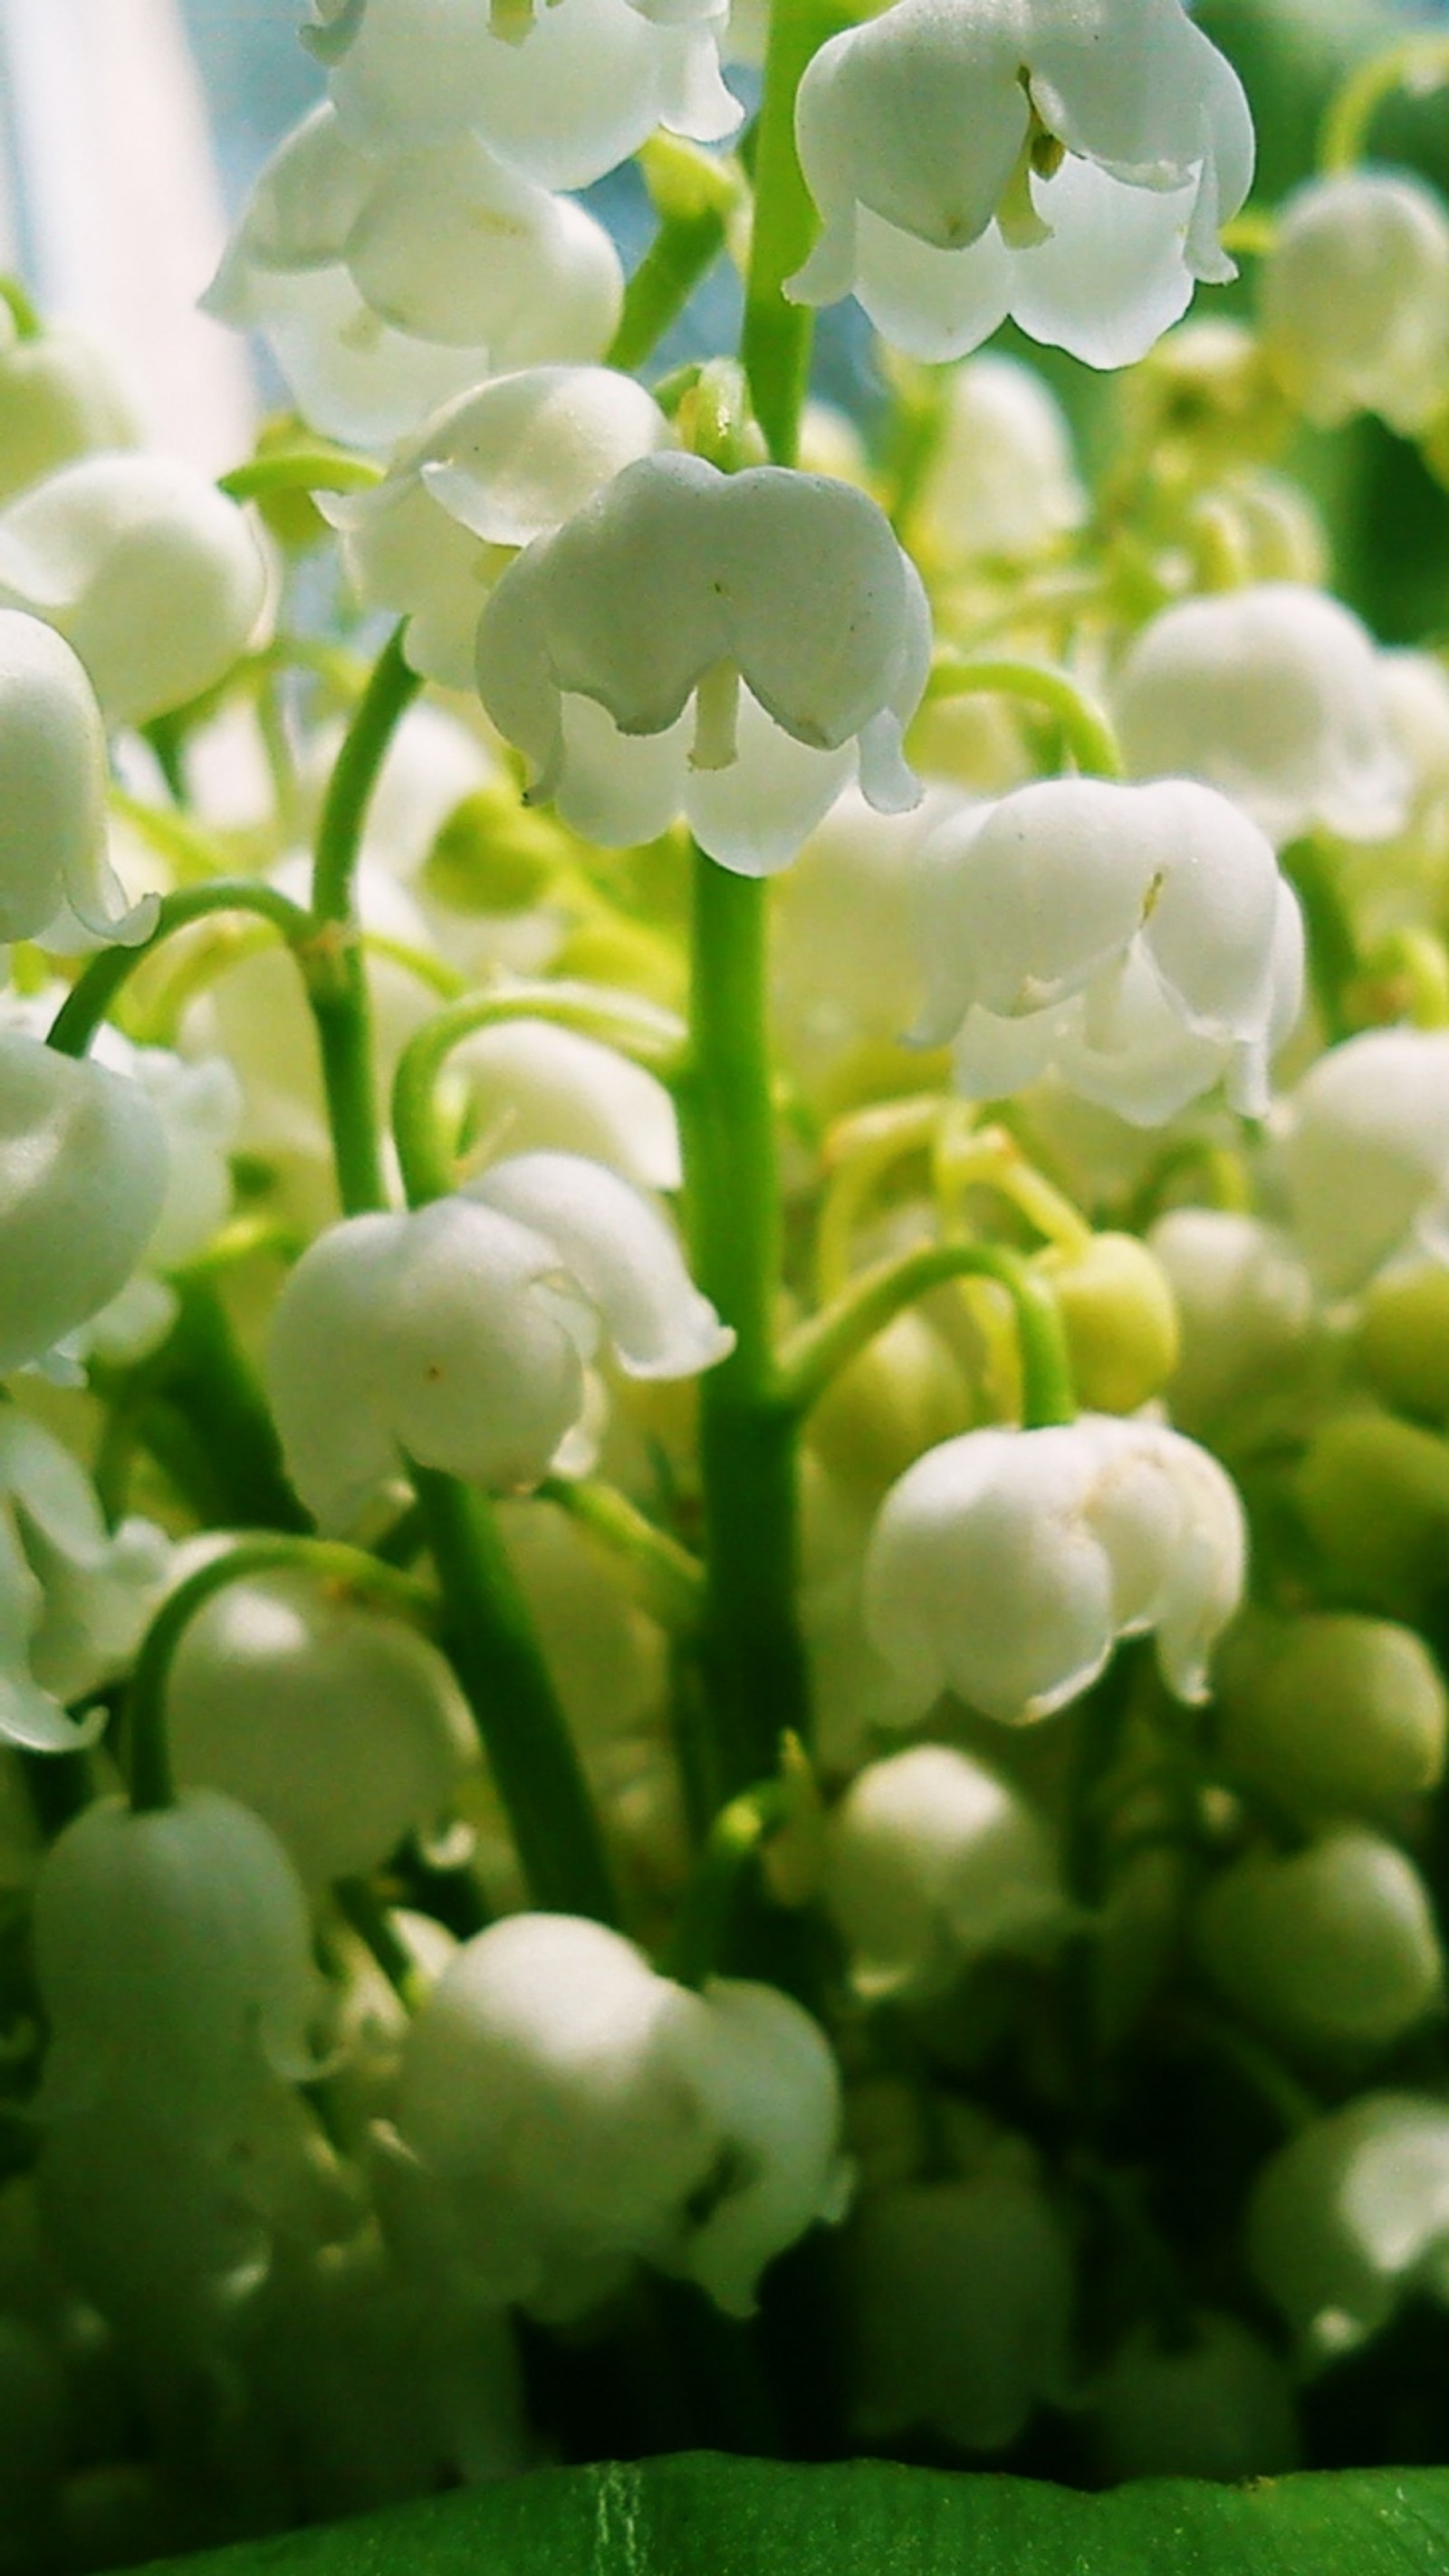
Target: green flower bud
(1402, 1342)
(902, 1394)
(1120, 1316)
(1374, 1496)
(1334, 1713)
(1221, 2407)
(1329, 1948)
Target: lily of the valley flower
(1329, 1948)
(1363, 1145)
(74, 1596)
(502, 465)
(779, 603)
(83, 1174)
(588, 83)
(53, 792)
(564, 2111)
(1355, 299)
(1005, 1565)
(59, 398)
(388, 285)
(459, 1335)
(1070, 165)
(152, 574)
(1272, 694)
(1351, 2216)
(1139, 940)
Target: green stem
(152, 1784)
(624, 1020)
(23, 313)
(299, 470)
(819, 1350)
(731, 1849)
(1420, 64)
(336, 977)
(1090, 737)
(206, 1373)
(753, 1661)
(490, 1638)
(777, 335)
(693, 196)
(1333, 957)
(1287, 2101)
(95, 988)
(667, 1580)
(360, 1906)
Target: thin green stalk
(333, 959)
(818, 1352)
(753, 1660)
(489, 1635)
(152, 1784)
(732, 1847)
(1333, 956)
(1420, 64)
(693, 197)
(299, 470)
(95, 988)
(23, 313)
(1090, 737)
(666, 1579)
(777, 335)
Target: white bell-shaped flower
(1331, 1947)
(1005, 1565)
(1273, 695)
(53, 792)
(1244, 1305)
(343, 1730)
(1000, 484)
(60, 397)
(535, 1087)
(1363, 1147)
(587, 85)
(1140, 941)
(497, 468)
(564, 2111)
(173, 1952)
(932, 1862)
(458, 1335)
(388, 285)
(1354, 298)
(779, 603)
(83, 1174)
(145, 567)
(1351, 2216)
(74, 1596)
(1068, 165)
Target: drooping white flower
(145, 567)
(389, 285)
(83, 1171)
(1006, 1564)
(459, 1335)
(1138, 940)
(1273, 695)
(1354, 298)
(1363, 1146)
(931, 1862)
(53, 792)
(1070, 165)
(535, 1087)
(75, 1597)
(1351, 2216)
(1331, 1947)
(174, 1957)
(59, 398)
(343, 1730)
(588, 83)
(500, 466)
(779, 604)
(1000, 484)
(564, 2111)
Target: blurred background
(130, 131)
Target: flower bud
(1363, 1146)
(1401, 1346)
(59, 399)
(173, 1953)
(82, 1182)
(1245, 1307)
(343, 1730)
(680, 584)
(1326, 1949)
(1355, 299)
(145, 567)
(1271, 694)
(1352, 2215)
(458, 1335)
(1334, 1713)
(1219, 2407)
(971, 164)
(1120, 1319)
(53, 780)
(1138, 939)
(1005, 1564)
(903, 1393)
(932, 1862)
(1373, 1494)
(535, 1087)
(1000, 485)
(564, 2111)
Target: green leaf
(706, 2516)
